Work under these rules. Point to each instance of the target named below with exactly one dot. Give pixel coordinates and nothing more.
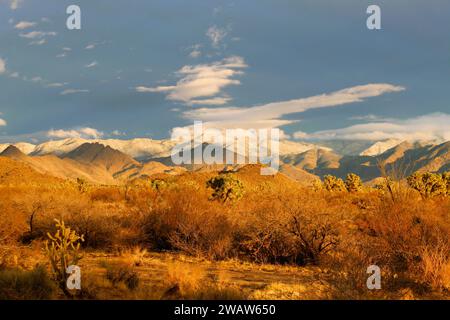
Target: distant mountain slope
(106, 157)
(13, 152)
(146, 170)
(136, 148)
(24, 147)
(297, 174)
(13, 172)
(100, 163)
(61, 168)
(312, 159)
(380, 147)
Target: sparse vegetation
(277, 224)
(26, 285)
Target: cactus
(82, 185)
(62, 249)
(225, 187)
(332, 183)
(446, 178)
(428, 184)
(353, 183)
(158, 184)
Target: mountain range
(117, 161)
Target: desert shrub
(353, 183)
(428, 184)
(332, 183)
(226, 187)
(106, 194)
(12, 223)
(18, 284)
(122, 274)
(135, 255)
(100, 229)
(315, 235)
(83, 185)
(408, 241)
(188, 223)
(62, 250)
(292, 231)
(187, 281)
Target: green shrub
(17, 284)
(225, 187)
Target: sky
(144, 68)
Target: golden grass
(279, 226)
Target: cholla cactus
(82, 185)
(446, 178)
(332, 183)
(225, 187)
(158, 184)
(428, 184)
(317, 185)
(62, 250)
(353, 183)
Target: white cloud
(270, 115)
(38, 42)
(118, 133)
(2, 122)
(36, 79)
(15, 4)
(72, 91)
(75, 133)
(195, 53)
(216, 35)
(368, 117)
(299, 135)
(91, 65)
(202, 83)
(24, 25)
(90, 46)
(37, 34)
(433, 126)
(14, 75)
(2, 66)
(216, 101)
(56, 84)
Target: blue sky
(141, 68)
